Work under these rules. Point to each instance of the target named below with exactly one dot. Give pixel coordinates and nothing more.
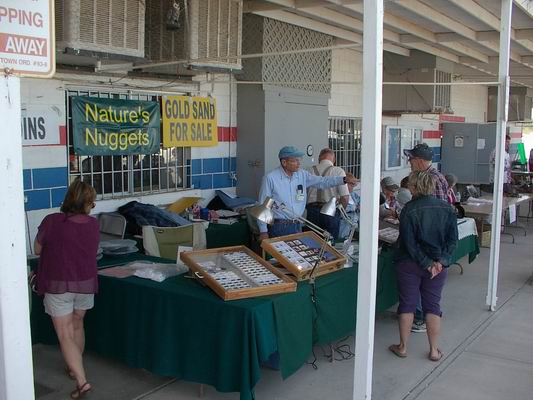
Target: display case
(299, 252)
(236, 272)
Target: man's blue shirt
(284, 189)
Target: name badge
(300, 193)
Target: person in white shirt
(316, 197)
(404, 194)
(507, 178)
(353, 207)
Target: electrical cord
(28, 231)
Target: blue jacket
(428, 232)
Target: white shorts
(58, 305)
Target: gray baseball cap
(389, 183)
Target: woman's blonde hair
(422, 182)
(79, 197)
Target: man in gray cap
(390, 208)
(420, 159)
(288, 185)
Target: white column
(16, 368)
(370, 177)
(503, 106)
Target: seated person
(390, 208)
(452, 181)
(404, 194)
(353, 207)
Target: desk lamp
(263, 213)
(330, 209)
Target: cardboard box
(484, 233)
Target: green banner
(112, 127)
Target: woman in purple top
(67, 274)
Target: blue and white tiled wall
(213, 173)
(44, 187)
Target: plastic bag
(157, 271)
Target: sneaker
(418, 327)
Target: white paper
(512, 213)
(481, 144)
(180, 250)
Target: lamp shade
(330, 207)
(263, 212)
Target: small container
(204, 214)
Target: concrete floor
(487, 355)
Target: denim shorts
(58, 305)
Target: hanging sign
(40, 125)
(108, 126)
(27, 42)
(189, 121)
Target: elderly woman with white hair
(428, 238)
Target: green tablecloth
(182, 329)
(219, 235)
(467, 246)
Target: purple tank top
(68, 257)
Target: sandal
(80, 391)
(70, 374)
(396, 350)
(437, 358)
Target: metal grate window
(126, 175)
(442, 93)
(344, 138)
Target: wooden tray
(236, 272)
(290, 250)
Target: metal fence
(344, 137)
(125, 175)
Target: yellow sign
(189, 121)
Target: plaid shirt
(441, 186)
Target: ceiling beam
(488, 36)
(523, 34)
(257, 5)
(347, 22)
(436, 52)
(525, 6)
(447, 37)
(437, 17)
(485, 16)
(323, 27)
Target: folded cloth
(140, 214)
(236, 202)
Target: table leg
(201, 390)
(459, 265)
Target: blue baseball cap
(288, 152)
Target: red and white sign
(27, 43)
(40, 125)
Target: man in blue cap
(288, 185)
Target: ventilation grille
(108, 26)
(210, 33)
(441, 100)
(305, 71)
